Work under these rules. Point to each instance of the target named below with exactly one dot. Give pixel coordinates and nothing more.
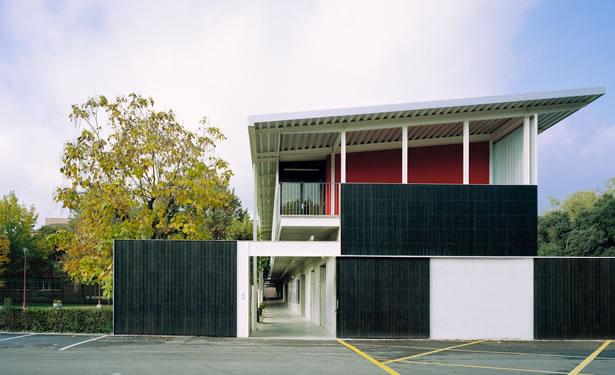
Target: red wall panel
(373, 166)
(436, 164)
(479, 163)
(426, 165)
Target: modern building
(397, 221)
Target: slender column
(533, 150)
(261, 287)
(526, 165)
(254, 295)
(255, 210)
(343, 156)
(404, 155)
(466, 152)
(332, 192)
(491, 161)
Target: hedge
(56, 320)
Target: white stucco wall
(243, 291)
(482, 298)
(331, 296)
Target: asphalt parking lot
(123, 355)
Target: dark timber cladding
(175, 287)
(456, 220)
(382, 297)
(574, 298)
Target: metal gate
(382, 297)
(164, 287)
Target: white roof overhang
(315, 134)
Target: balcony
(307, 211)
(307, 198)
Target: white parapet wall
(292, 248)
(482, 298)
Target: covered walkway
(280, 322)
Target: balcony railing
(308, 198)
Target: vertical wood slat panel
(382, 297)
(574, 298)
(456, 220)
(175, 287)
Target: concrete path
(280, 322)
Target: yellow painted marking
(369, 358)
(432, 352)
(590, 358)
(485, 351)
(484, 367)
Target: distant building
(56, 221)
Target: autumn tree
(135, 172)
(17, 221)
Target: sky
(230, 59)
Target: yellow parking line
(484, 367)
(590, 358)
(369, 358)
(432, 352)
(485, 351)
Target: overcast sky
(229, 59)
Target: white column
(466, 152)
(275, 225)
(404, 155)
(243, 289)
(254, 295)
(525, 167)
(255, 210)
(533, 149)
(284, 293)
(343, 155)
(261, 288)
(491, 161)
(332, 192)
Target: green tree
(610, 186)
(5, 246)
(589, 241)
(594, 232)
(553, 228)
(43, 239)
(17, 223)
(577, 203)
(230, 221)
(136, 172)
(582, 225)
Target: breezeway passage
(101, 354)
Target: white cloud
(575, 155)
(228, 60)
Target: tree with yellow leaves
(135, 172)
